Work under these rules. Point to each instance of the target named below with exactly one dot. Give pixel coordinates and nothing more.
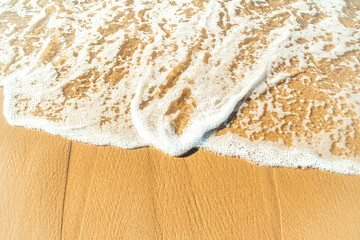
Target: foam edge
(75, 133)
(270, 155)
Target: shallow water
(275, 83)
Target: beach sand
(54, 188)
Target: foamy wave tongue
(174, 123)
(173, 74)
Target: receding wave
(274, 82)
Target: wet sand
(52, 188)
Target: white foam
(33, 84)
(157, 129)
(83, 129)
(269, 154)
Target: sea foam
(274, 83)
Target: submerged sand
(274, 82)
